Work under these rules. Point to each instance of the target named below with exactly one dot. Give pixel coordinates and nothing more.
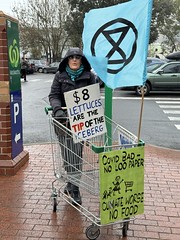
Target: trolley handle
(50, 109)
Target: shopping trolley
(77, 161)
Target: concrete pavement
(26, 208)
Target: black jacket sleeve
(55, 94)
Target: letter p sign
(16, 111)
(16, 123)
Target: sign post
(12, 155)
(108, 112)
(15, 87)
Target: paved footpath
(26, 208)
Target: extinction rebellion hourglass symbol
(125, 29)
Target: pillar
(12, 154)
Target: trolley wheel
(125, 229)
(92, 232)
(54, 204)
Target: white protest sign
(85, 111)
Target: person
(74, 72)
(24, 65)
(156, 55)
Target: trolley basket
(78, 163)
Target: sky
(6, 6)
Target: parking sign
(16, 123)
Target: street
(160, 116)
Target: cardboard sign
(85, 111)
(121, 184)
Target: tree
(172, 33)
(50, 25)
(161, 9)
(42, 27)
(74, 25)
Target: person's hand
(60, 114)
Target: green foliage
(49, 26)
(74, 24)
(162, 9)
(171, 28)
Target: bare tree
(42, 27)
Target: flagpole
(141, 112)
(108, 112)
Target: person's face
(74, 62)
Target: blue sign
(16, 123)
